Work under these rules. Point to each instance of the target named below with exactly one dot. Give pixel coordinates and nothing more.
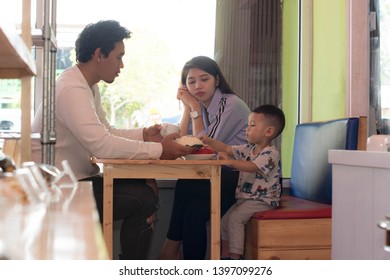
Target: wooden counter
(66, 230)
(360, 199)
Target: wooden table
(156, 169)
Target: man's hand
(173, 150)
(152, 133)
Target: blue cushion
(311, 174)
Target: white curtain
(248, 48)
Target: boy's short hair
(274, 115)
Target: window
(379, 64)
(244, 37)
(10, 104)
(163, 39)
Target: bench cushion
(296, 208)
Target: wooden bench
(301, 228)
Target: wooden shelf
(16, 60)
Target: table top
(160, 161)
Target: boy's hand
(223, 155)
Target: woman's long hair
(210, 66)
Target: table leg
(108, 209)
(215, 213)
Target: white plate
(199, 156)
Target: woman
(210, 107)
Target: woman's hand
(186, 97)
(205, 139)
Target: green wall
(329, 59)
(328, 67)
(290, 77)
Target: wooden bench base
(298, 239)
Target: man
(83, 131)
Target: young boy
(258, 187)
